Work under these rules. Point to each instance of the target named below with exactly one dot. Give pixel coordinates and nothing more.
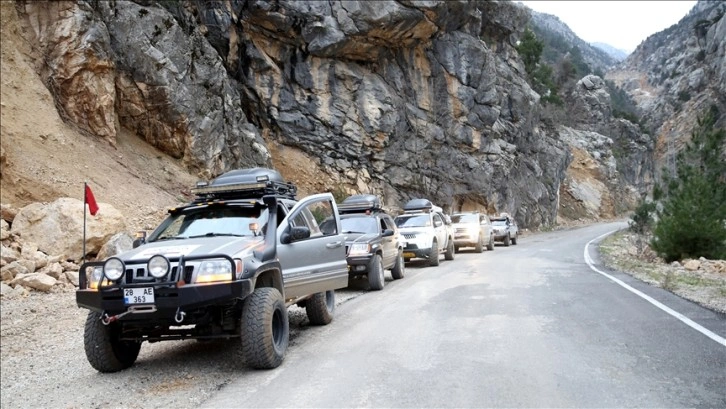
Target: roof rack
(360, 204)
(421, 206)
(245, 184)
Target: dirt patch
(45, 158)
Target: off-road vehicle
(225, 266)
(505, 229)
(427, 231)
(373, 242)
(472, 229)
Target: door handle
(334, 244)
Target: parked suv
(373, 242)
(505, 229)
(427, 231)
(225, 266)
(472, 229)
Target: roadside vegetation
(677, 239)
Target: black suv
(225, 266)
(373, 243)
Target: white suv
(427, 231)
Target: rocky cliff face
(399, 98)
(675, 75)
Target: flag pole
(84, 222)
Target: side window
(314, 216)
(438, 221)
(387, 223)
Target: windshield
(363, 224)
(212, 221)
(465, 218)
(499, 222)
(421, 220)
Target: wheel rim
(329, 300)
(380, 270)
(277, 328)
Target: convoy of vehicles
(228, 264)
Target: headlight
(214, 270)
(94, 278)
(158, 266)
(113, 268)
(359, 249)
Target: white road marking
(721, 340)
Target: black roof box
(418, 205)
(245, 183)
(360, 204)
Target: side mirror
(139, 239)
(437, 223)
(295, 233)
(387, 233)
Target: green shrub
(692, 220)
(642, 220)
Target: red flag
(92, 205)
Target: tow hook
(179, 317)
(106, 319)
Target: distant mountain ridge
(614, 52)
(561, 40)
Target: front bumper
(168, 300)
(358, 265)
(412, 251)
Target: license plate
(139, 295)
(409, 255)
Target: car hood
(231, 246)
(360, 237)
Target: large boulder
(57, 228)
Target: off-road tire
(479, 245)
(514, 240)
(506, 240)
(264, 328)
(399, 269)
(375, 273)
(434, 254)
(104, 350)
(449, 254)
(490, 246)
(320, 308)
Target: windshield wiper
(171, 238)
(351, 231)
(211, 234)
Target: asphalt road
(531, 325)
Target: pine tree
(692, 220)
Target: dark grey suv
(373, 243)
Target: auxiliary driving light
(113, 268)
(158, 266)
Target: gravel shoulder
(44, 364)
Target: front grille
(139, 274)
(409, 235)
(460, 230)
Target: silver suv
(472, 229)
(225, 266)
(427, 231)
(505, 229)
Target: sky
(621, 24)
